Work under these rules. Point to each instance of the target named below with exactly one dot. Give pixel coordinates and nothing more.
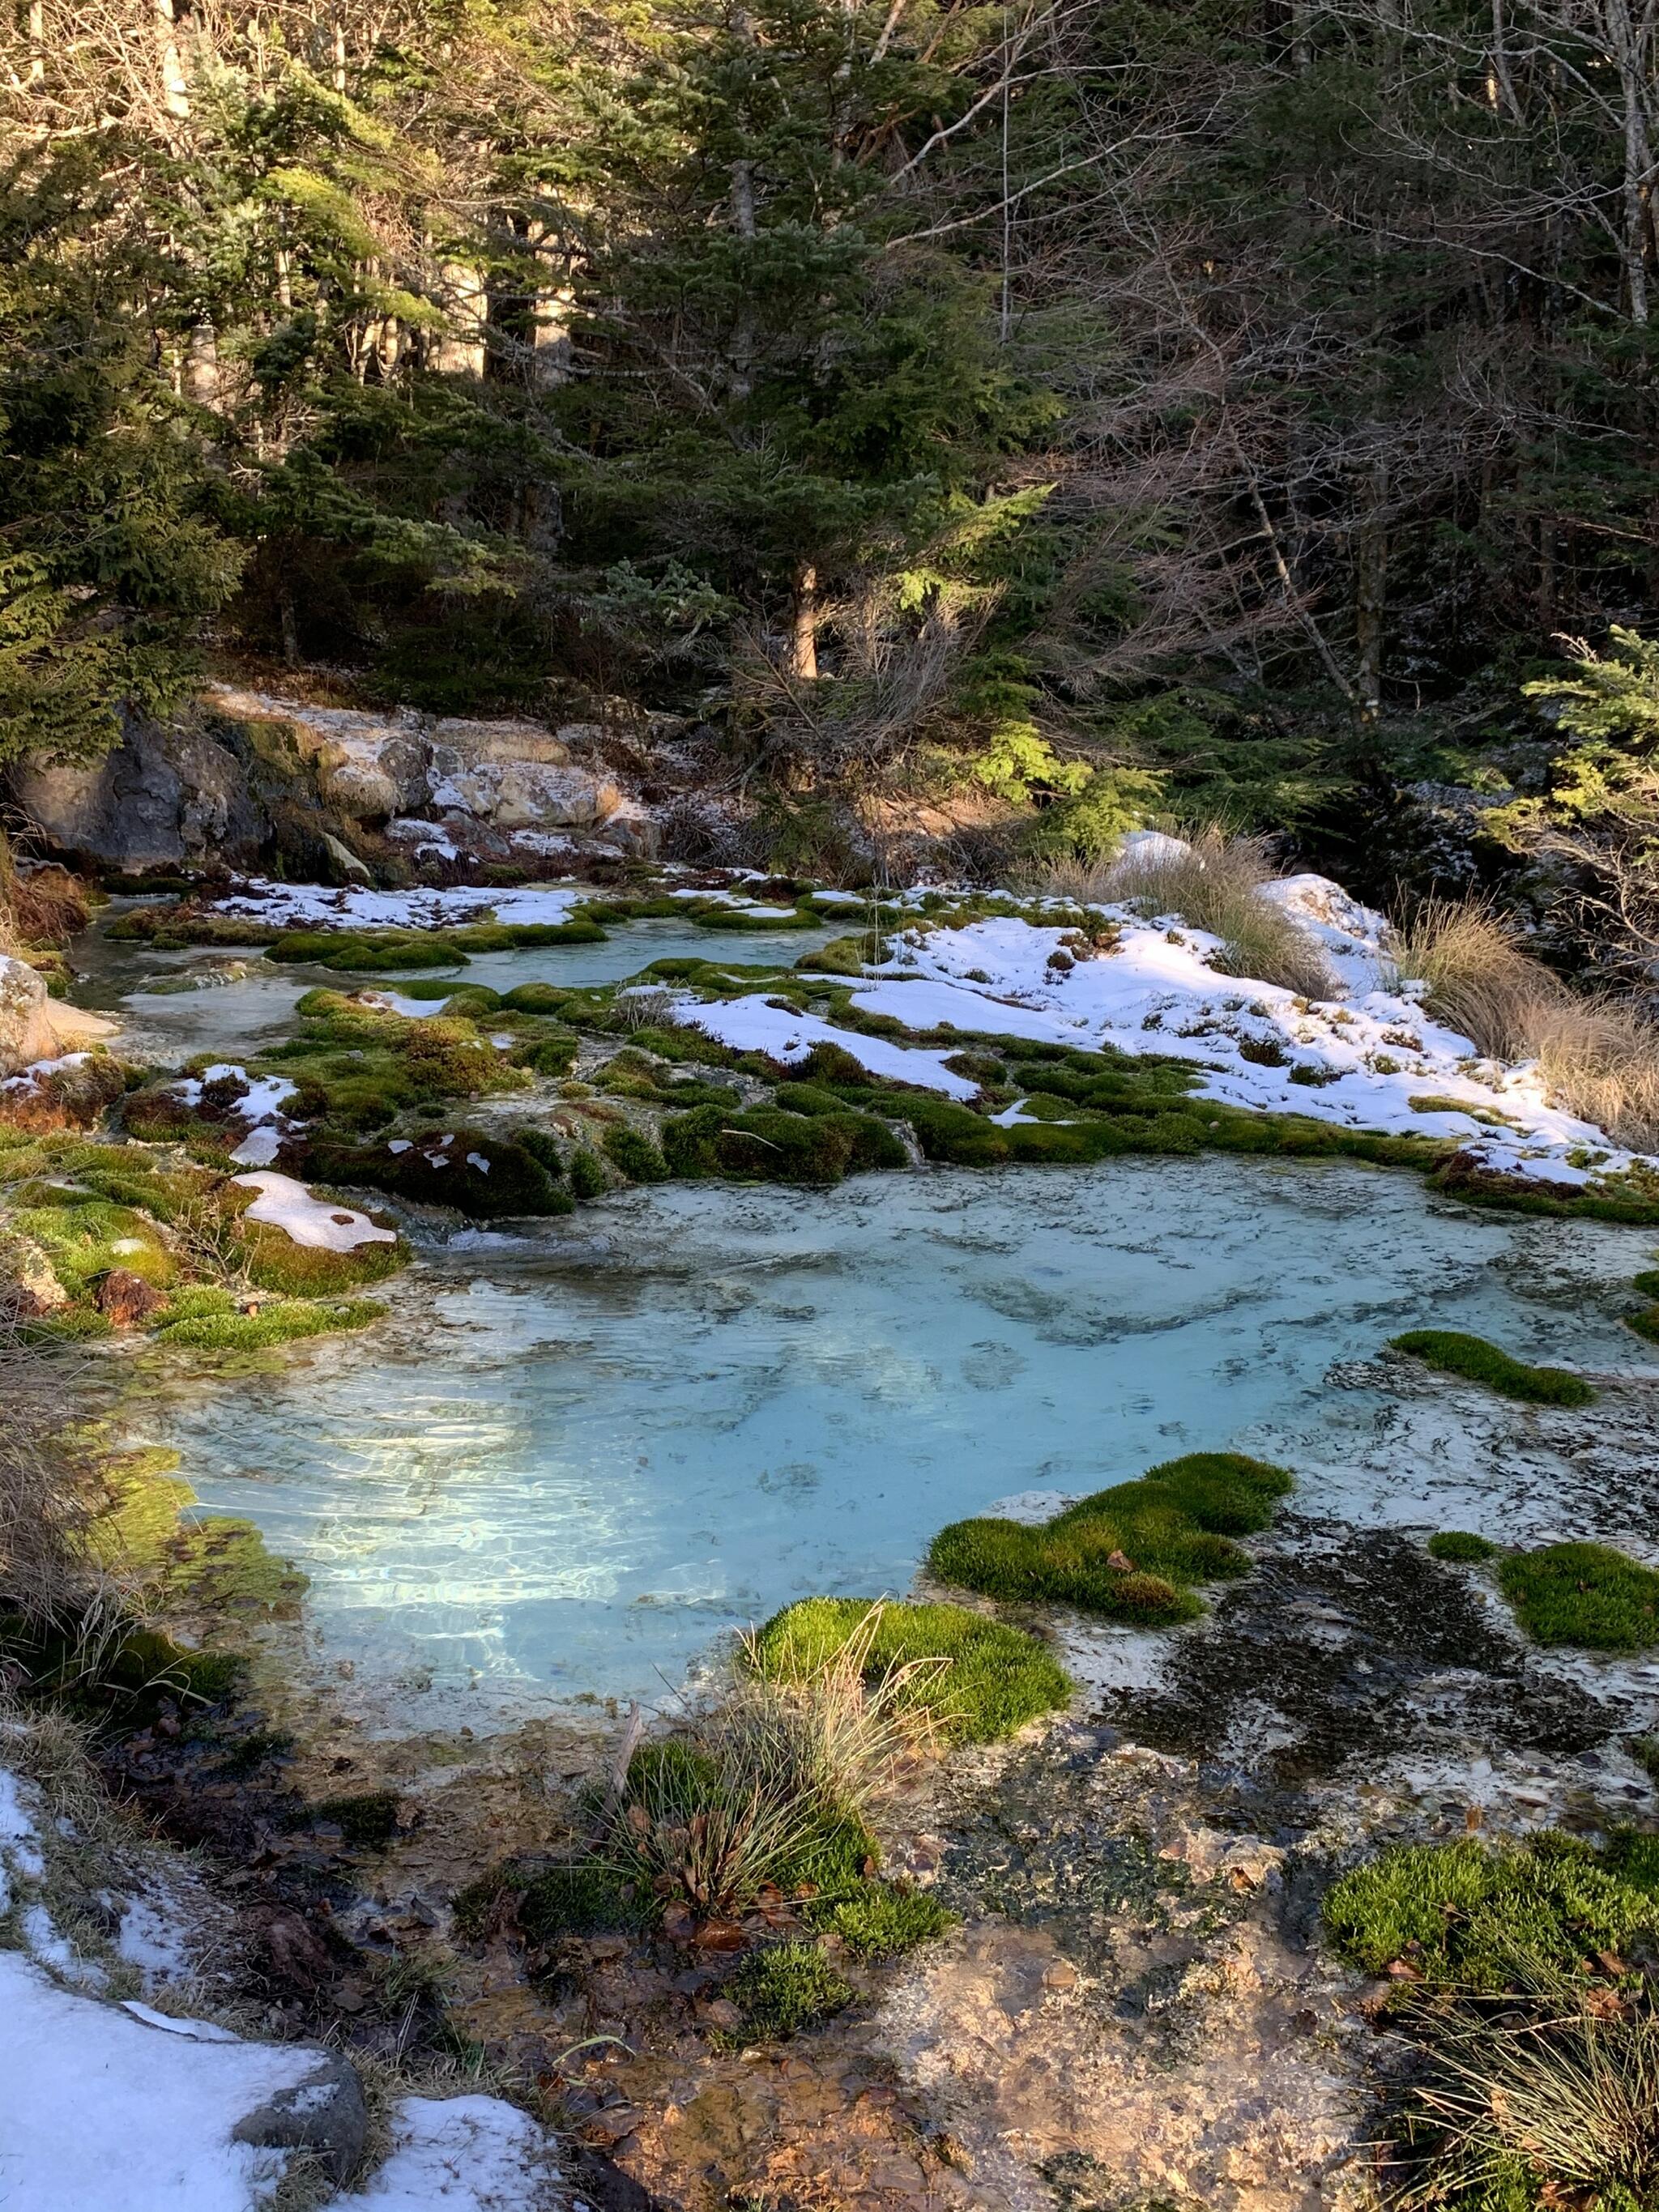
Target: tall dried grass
(1598, 1056)
(1212, 882)
(45, 907)
(1572, 2097)
(47, 1490)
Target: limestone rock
(473, 743)
(36, 1288)
(528, 794)
(22, 994)
(34, 1027)
(324, 2114)
(159, 797)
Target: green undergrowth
(1462, 1546)
(148, 1536)
(994, 1679)
(1473, 1917)
(125, 1680)
(1135, 1552)
(367, 1820)
(885, 1919)
(1476, 1361)
(1584, 1595)
(206, 1319)
(1645, 1322)
(92, 1209)
(1587, 1596)
(543, 1901)
(786, 1990)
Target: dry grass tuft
(48, 1491)
(775, 1788)
(1571, 2097)
(1212, 882)
(1598, 1056)
(45, 906)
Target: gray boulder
(160, 796)
(324, 2114)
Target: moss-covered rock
(1133, 1552)
(978, 1678)
(486, 1176)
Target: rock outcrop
(161, 796)
(253, 773)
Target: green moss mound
(485, 1176)
(784, 1989)
(276, 1262)
(1477, 1361)
(1585, 1594)
(885, 1919)
(1460, 1545)
(572, 1897)
(633, 1152)
(819, 1144)
(997, 1678)
(367, 953)
(1468, 1917)
(1131, 1553)
(588, 1178)
(367, 1820)
(208, 1320)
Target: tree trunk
(460, 351)
(1371, 591)
(175, 87)
(37, 41)
(1636, 225)
(202, 365)
(549, 339)
(802, 662)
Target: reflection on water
(574, 1457)
(238, 1018)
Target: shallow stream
(573, 1457)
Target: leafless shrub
(643, 1008)
(1598, 1056)
(858, 727)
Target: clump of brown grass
(45, 907)
(1212, 882)
(48, 1491)
(1598, 1056)
(1569, 2097)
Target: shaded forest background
(1040, 416)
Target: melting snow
(758, 1024)
(288, 1206)
(1376, 1056)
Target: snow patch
(288, 1206)
(757, 1025)
(463, 2154)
